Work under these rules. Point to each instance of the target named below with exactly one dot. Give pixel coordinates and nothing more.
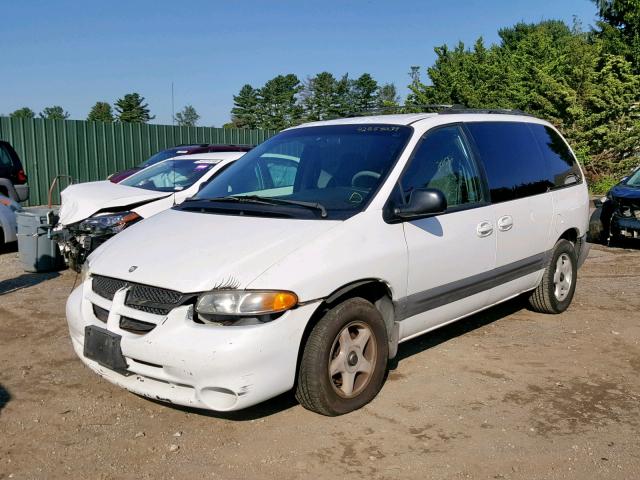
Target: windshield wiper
(268, 201)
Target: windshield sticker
(374, 128)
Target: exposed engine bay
(78, 240)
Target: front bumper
(628, 227)
(186, 363)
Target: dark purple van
(175, 152)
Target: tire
(555, 291)
(328, 348)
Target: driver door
(449, 255)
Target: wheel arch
(376, 291)
(571, 234)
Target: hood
(625, 191)
(82, 200)
(195, 252)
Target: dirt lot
(504, 394)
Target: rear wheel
(555, 291)
(344, 360)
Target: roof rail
(503, 111)
(441, 109)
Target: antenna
(173, 110)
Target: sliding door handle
(484, 229)
(505, 223)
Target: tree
(555, 72)
(277, 103)
(324, 97)
(388, 98)
(364, 94)
(188, 117)
(55, 112)
(620, 28)
(132, 109)
(100, 112)
(24, 112)
(244, 113)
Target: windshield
(160, 156)
(170, 175)
(338, 167)
(634, 179)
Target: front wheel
(344, 360)
(555, 291)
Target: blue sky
(74, 53)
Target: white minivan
(307, 274)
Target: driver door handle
(505, 223)
(484, 229)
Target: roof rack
(440, 109)
(502, 111)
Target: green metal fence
(93, 150)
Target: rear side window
(5, 159)
(512, 160)
(561, 164)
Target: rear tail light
(21, 176)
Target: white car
(8, 226)
(307, 261)
(93, 212)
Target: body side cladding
(420, 302)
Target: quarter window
(5, 158)
(442, 161)
(561, 164)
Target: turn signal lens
(245, 302)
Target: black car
(621, 209)
(13, 181)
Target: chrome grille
(156, 300)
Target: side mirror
(423, 202)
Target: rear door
(519, 186)
(450, 256)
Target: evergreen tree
(188, 117)
(100, 112)
(278, 107)
(388, 98)
(244, 113)
(55, 112)
(620, 28)
(364, 94)
(323, 97)
(552, 71)
(132, 109)
(24, 112)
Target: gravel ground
(504, 394)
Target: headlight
(112, 222)
(245, 302)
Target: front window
(335, 168)
(170, 175)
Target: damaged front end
(78, 240)
(621, 217)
